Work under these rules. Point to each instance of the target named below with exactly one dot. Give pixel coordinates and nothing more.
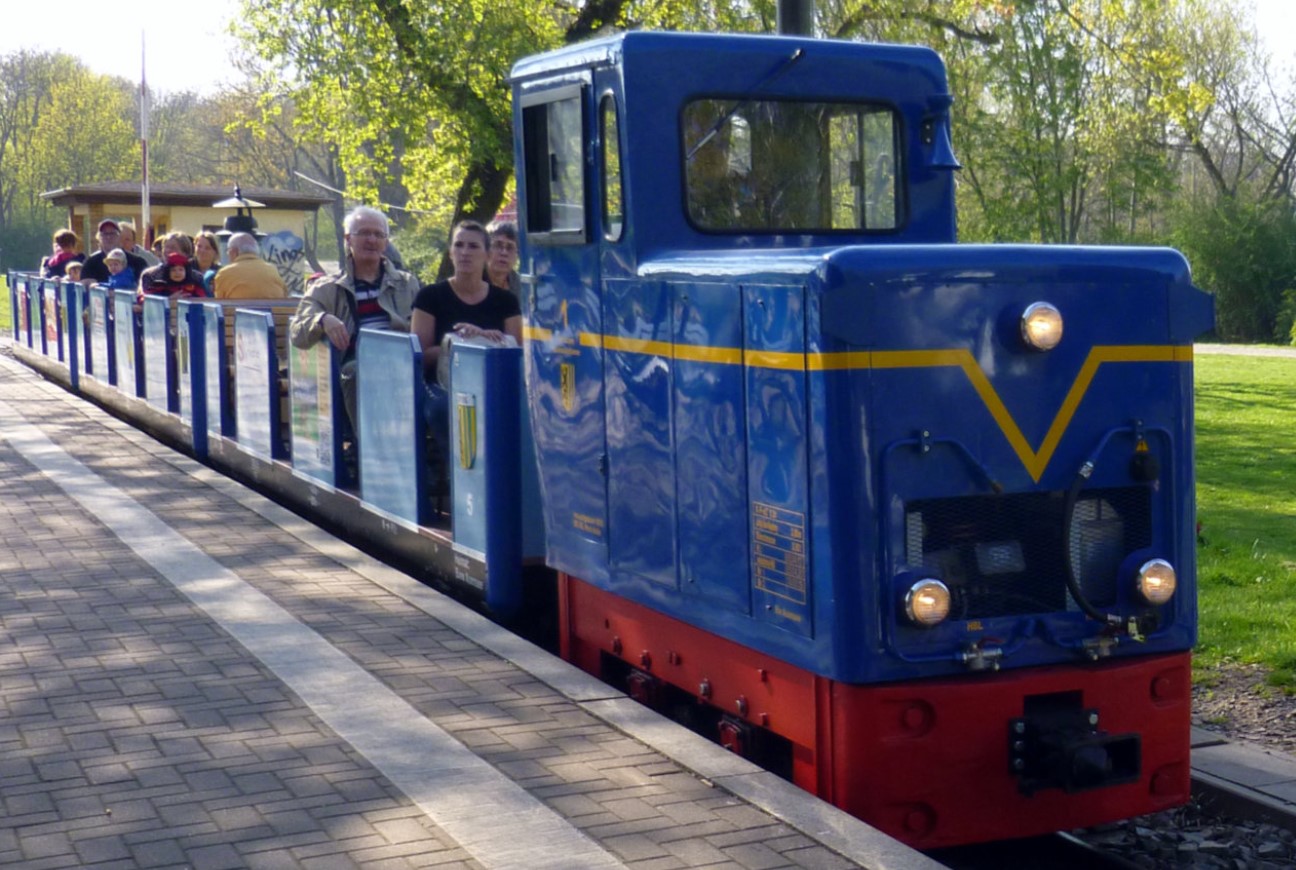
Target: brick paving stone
(651, 826)
(755, 855)
(575, 806)
(78, 806)
(44, 844)
(158, 854)
(270, 860)
(744, 836)
(703, 830)
(695, 853)
(635, 847)
(668, 862)
(237, 817)
(219, 857)
(122, 811)
(632, 809)
(129, 692)
(401, 830)
(95, 850)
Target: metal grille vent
(1002, 555)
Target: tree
(1243, 248)
(428, 82)
(60, 124)
(267, 143)
(1236, 219)
(85, 135)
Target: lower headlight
(1156, 581)
(927, 602)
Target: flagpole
(146, 232)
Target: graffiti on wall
(287, 252)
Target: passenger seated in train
(367, 292)
(177, 279)
(247, 276)
(64, 252)
(206, 257)
(168, 278)
(95, 271)
(132, 247)
(120, 275)
(467, 305)
(502, 260)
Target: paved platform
(1244, 778)
(192, 676)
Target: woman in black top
(466, 303)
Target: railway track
(1057, 852)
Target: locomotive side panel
(710, 426)
(778, 460)
(638, 390)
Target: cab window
(613, 210)
(778, 166)
(555, 177)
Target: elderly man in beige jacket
(248, 276)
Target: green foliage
(1243, 250)
(26, 239)
(1247, 561)
(425, 82)
(417, 92)
(85, 135)
(60, 125)
(422, 244)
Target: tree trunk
(480, 195)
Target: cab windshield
(782, 166)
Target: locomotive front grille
(1003, 555)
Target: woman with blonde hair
(206, 256)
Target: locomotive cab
(640, 152)
(918, 515)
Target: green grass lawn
(1246, 503)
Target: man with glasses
(368, 291)
(502, 260)
(95, 271)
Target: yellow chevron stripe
(1035, 461)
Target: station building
(285, 218)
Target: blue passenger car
(912, 519)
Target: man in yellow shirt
(248, 276)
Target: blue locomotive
(908, 521)
(915, 520)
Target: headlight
(927, 602)
(1156, 581)
(1041, 326)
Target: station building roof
(113, 192)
